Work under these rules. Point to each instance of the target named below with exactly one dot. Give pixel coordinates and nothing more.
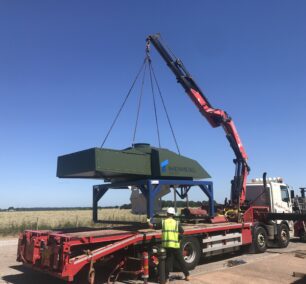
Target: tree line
(165, 204)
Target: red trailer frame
(54, 252)
(64, 253)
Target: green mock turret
(138, 162)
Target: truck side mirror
(292, 193)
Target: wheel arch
(260, 224)
(285, 222)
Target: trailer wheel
(260, 240)
(283, 236)
(191, 252)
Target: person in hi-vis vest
(171, 230)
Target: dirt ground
(274, 266)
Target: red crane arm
(215, 117)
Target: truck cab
(277, 197)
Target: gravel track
(273, 266)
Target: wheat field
(11, 223)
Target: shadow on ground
(28, 276)
(300, 281)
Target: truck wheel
(260, 240)
(283, 236)
(191, 252)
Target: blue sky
(65, 67)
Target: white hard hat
(171, 210)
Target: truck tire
(191, 252)
(260, 239)
(283, 236)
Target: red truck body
(65, 253)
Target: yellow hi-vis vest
(170, 233)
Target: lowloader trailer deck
(64, 254)
(125, 249)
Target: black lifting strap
(154, 103)
(124, 101)
(147, 61)
(139, 100)
(164, 106)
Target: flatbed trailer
(63, 254)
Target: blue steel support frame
(97, 193)
(151, 187)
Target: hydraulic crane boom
(216, 118)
